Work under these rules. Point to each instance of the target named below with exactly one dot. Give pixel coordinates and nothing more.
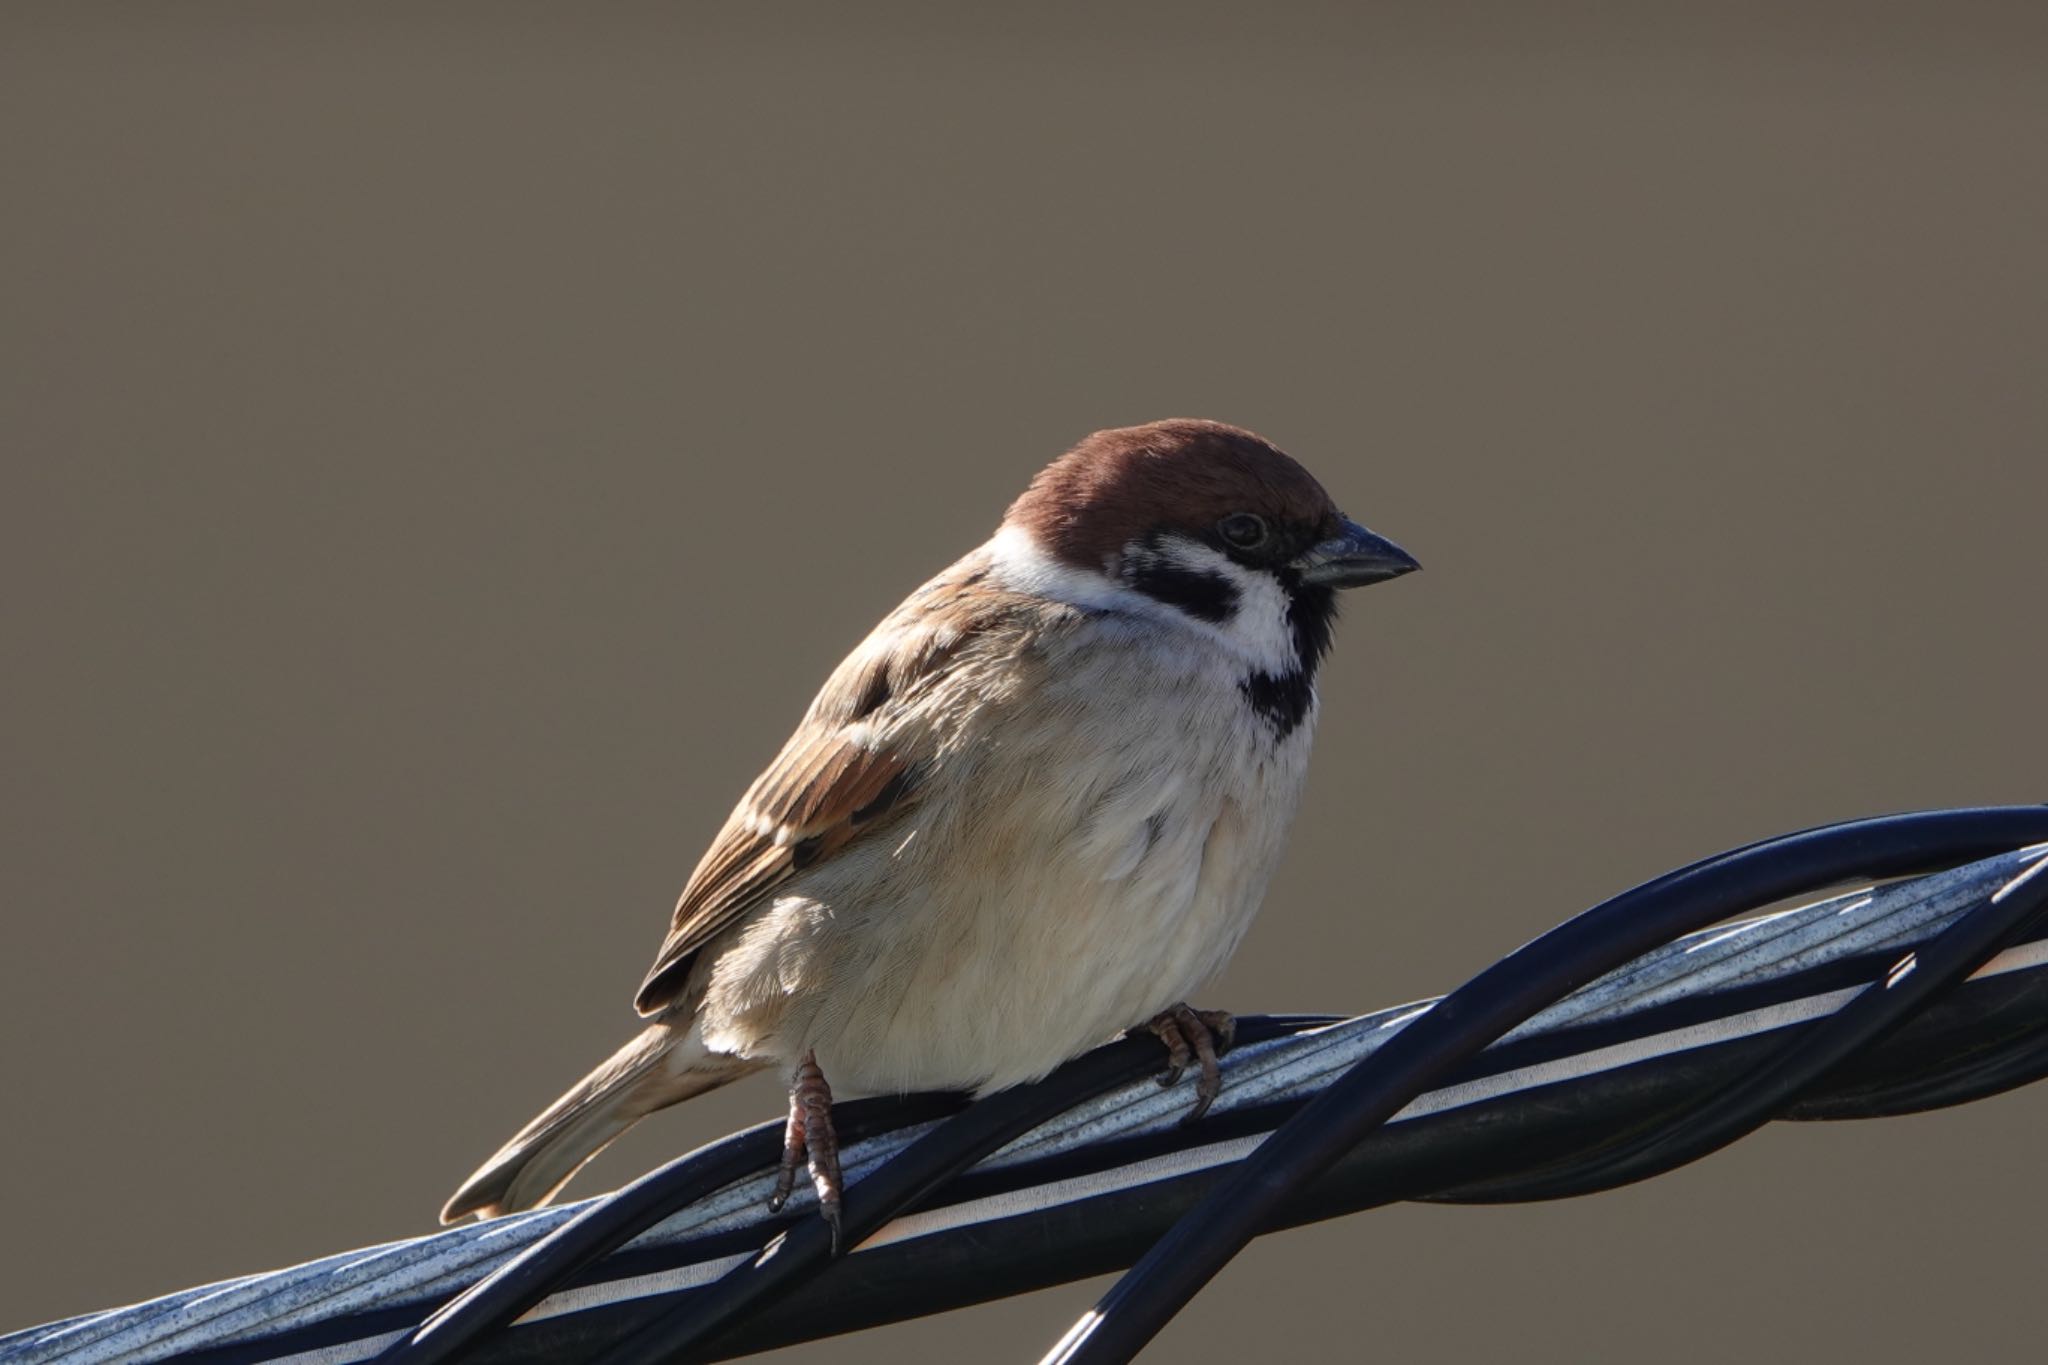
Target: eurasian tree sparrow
(1039, 805)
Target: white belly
(978, 944)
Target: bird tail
(664, 1064)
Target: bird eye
(1242, 530)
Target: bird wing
(866, 747)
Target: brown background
(444, 451)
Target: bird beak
(1353, 558)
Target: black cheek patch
(1201, 593)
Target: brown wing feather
(852, 766)
(814, 800)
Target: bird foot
(811, 1140)
(1194, 1037)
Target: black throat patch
(1283, 699)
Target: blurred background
(446, 449)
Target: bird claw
(811, 1141)
(1179, 1056)
(1194, 1038)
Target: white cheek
(1258, 630)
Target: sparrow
(1037, 807)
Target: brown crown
(1178, 475)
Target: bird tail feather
(660, 1066)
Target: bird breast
(1090, 856)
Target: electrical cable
(896, 1187)
(609, 1223)
(971, 1133)
(1091, 1190)
(1754, 1098)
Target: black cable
(1491, 1004)
(609, 1223)
(2015, 1061)
(1754, 1098)
(1982, 1037)
(1988, 1025)
(913, 1173)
